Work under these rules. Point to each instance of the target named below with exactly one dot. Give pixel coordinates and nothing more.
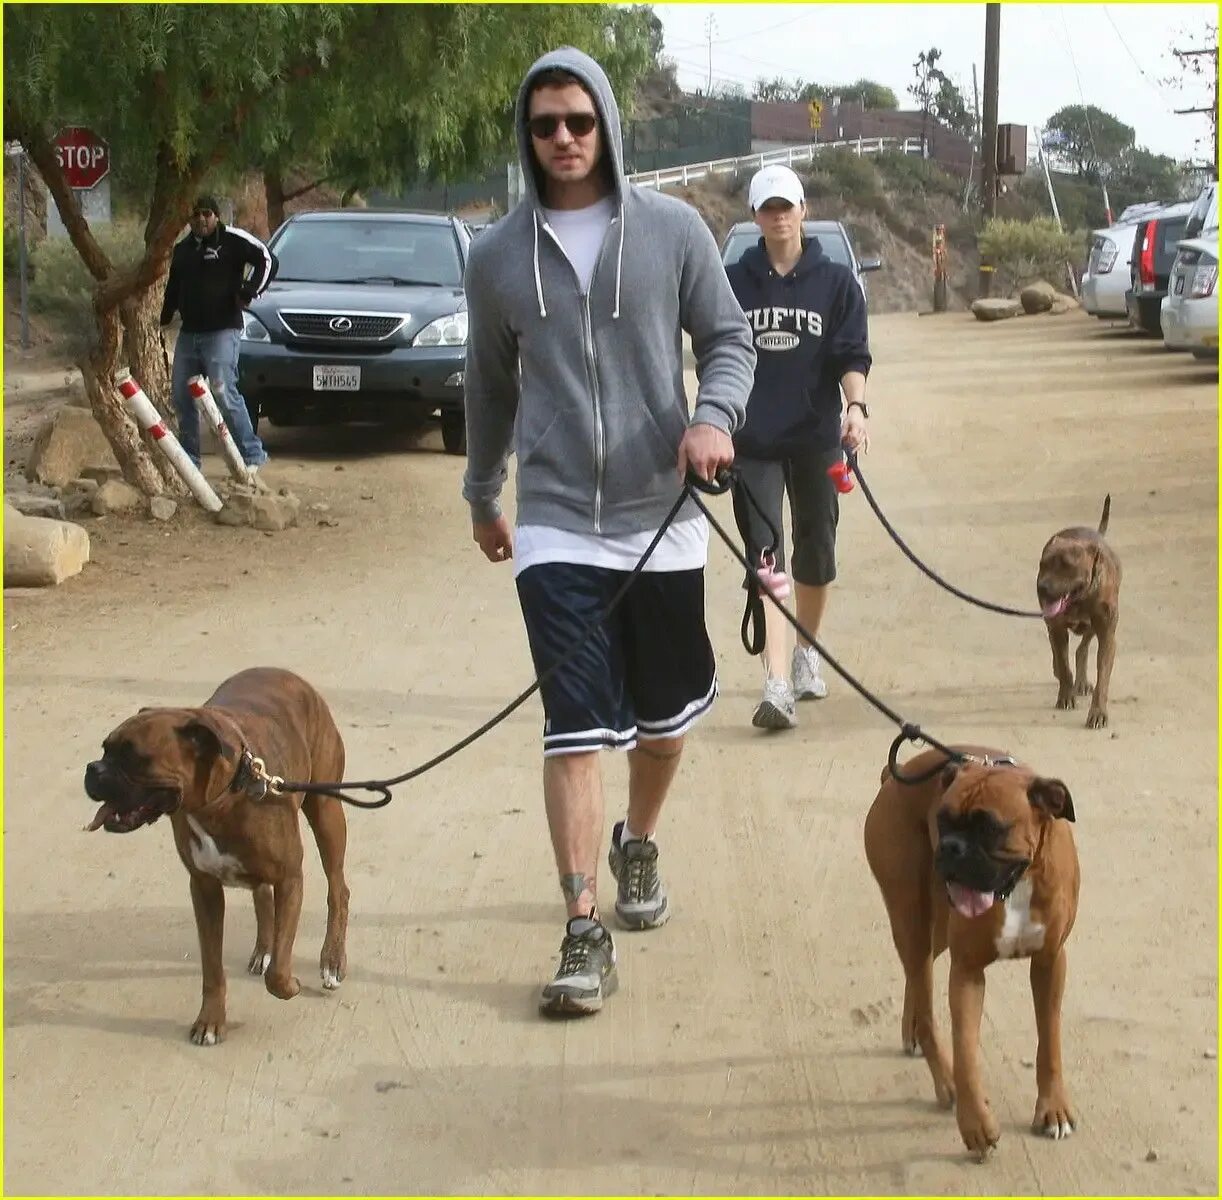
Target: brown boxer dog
(980, 859)
(1078, 587)
(187, 764)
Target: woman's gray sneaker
(641, 900)
(586, 973)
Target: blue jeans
(214, 355)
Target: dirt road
(754, 1045)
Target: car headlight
(253, 330)
(445, 331)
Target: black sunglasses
(579, 124)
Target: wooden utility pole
(988, 133)
(1212, 110)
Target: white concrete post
(197, 385)
(150, 421)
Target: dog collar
(252, 778)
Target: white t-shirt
(685, 545)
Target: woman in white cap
(808, 319)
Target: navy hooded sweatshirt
(809, 328)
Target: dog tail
(1107, 512)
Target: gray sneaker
(776, 709)
(807, 682)
(641, 900)
(586, 973)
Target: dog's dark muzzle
(959, 860)
(127, 804)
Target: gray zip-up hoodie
(588, 389)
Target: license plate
(337, 379)
(1179, 285)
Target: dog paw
(332, 975)
(980, 1131)
(944, 1094)
(1083, 688)
(1065, 700)
(1096, 719)
(260, 960)
(207, 1032)
(283, 987)
(1053, 1117)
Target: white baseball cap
(776, 182)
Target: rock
(260, 509)
(995, 310)
(77, 497)
(162, 508)
(116, 496)
(1151, 1156)
(69, 440)
(30, 505)
(101, 474)
(320, 507)
(1037, 297)
(39, 552)
(1062, 303)
(236, 510)
(274, 513)
(78, 397)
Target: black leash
(851, 457)
(252, 775)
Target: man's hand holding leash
(706, 450)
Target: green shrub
(846, 175)
(60, 286)
(1024, 251)
(909, 175)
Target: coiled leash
(253, 777)
(839, 476)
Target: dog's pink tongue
(1056, 608)
(968, 901)
(104, 815)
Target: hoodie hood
(581, 65)
(577, 63)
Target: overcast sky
(1116, 56)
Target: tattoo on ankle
(573, 885)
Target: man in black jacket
(215, 271)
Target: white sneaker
(807, 682)
(776, 709)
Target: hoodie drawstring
(538, 277)
(619, 261)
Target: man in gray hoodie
(577, 301)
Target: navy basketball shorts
(646, 672)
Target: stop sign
(84, 157)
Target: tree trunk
(273, 188)
(98, 372)
(142, 347)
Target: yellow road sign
(816, 113)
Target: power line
(1140, 69)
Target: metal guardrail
(786, 156)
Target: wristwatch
(865, 411)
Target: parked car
(1150, 268)
(832, 237)
(1106, 279)
(365, 321)
(1189, 313)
